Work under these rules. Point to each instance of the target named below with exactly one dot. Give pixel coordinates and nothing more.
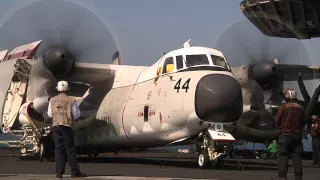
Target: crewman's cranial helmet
(62, 86)
(291, 94)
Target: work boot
(79, 174)
(59, 175)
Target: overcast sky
(142, 30)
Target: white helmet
(314, 117)
(291, 94)
(62, 86)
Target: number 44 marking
(184, 86)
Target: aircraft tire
(45, 151)
(41, 152)
(203, 159)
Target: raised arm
(49, 112)
(75, 110)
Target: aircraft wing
(97, 75)
(288, 72)
(98, 79)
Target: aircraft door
(170, 102)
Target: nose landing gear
(212, 149)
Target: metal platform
(284, 18)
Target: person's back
(315, 128)
(315, 134)
(63, 110)
(290, 122)
(61, 106)
(290, 118)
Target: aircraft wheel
(41, 152)
(45, 151)
(203, 159)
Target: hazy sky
(144, 29)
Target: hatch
(15, 94)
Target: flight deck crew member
(290, 122)
(273, 149)
(315, 134)
(63, 110)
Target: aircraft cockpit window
(194, 60)
(179, 62)
(219, 61)
(168, 65)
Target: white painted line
(142, 178)
(24, 176)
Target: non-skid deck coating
(148, 166)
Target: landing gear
(36, 143)
(211, 153)
(45, 149)
(41, 152)
(203, 159)
(46, 145)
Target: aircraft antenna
(187, 44)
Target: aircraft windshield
(199, 59)
(219, 61)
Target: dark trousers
(64, 142)
(290, 145)
(273, 155)
(316, 150)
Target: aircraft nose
(218, 99)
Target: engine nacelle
(24, 120)
(28, 112)
(40, 104)
(24, 114)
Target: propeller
(242, 43)
(68, 31)
(311, 104)
(70, 35)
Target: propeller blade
(242, 43)
(303, 89)
(63, 25)
(311, 105)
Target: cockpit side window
(199, 59)
(168, 65)
(219, 61)
(179, 62)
